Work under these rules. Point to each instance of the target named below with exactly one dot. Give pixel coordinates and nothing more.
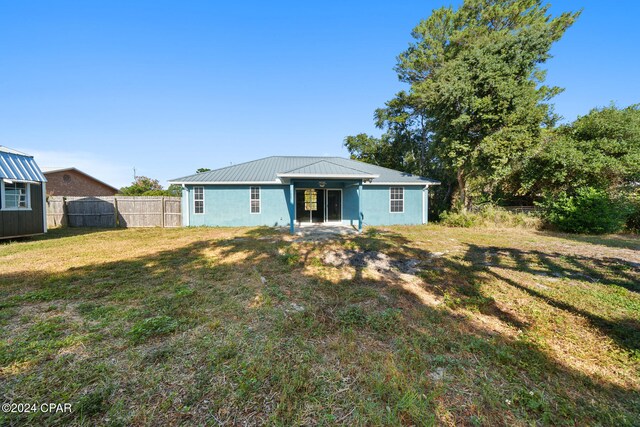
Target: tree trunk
(462, 188)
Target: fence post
(162, 210)
(64, 221)
(115, 212)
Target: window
(396, 199)
(16, 195)
(198, 200)
(255, 200)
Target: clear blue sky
(168, 87)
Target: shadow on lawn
(264, 250)
(622, 241)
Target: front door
(318, 205)
(334, 205)
(310, 205)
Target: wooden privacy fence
(110, 212)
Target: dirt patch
(373, 260)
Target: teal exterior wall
(229, 205)
(376, 209)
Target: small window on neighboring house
(16, 195)
(255, 200)
(396, 199)
(66, 178)
(198, 200)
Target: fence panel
(91, 212)
(56, 215)
(172, 212)
(109, 212)
(139, 211)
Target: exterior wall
(77, 184)
(24, 222)
(228, 205)
(376, 209)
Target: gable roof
(18, 166)
(326, 169)
(279, 169)
(49, 169)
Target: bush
(589, 211)
(633, 221)
(488, 216)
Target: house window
(16, 195)
(255, 200)
(396, 199)
(198, 200)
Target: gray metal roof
(18, 166)
(272, 170)
(326, 169)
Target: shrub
(488, 216)
(633, 221)
(590, 211)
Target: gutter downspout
(425, 204)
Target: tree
(477, 101)
(200, 170)
(599, 150)
(143, 186)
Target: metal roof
(326, 169)
(270, 170)
(18, 166)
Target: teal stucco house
(286, 190)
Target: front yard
(397, 326)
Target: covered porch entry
(319, 192)
(318, 205)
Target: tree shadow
(268, 252)
(621, 241)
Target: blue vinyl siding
(229, 205)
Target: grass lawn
(397, 326)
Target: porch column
(292, 213)
(360, 206)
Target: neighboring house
(74, 182)
(294, 190)
(22, 195)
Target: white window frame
(251, 200)
(390, 200)
(197, 200)
(27, 195)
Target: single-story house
(70, 181)
(286, 190)
(23, 207)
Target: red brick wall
(72, 183)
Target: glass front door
(318, 205)
(334, 205)
(310, 205)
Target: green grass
(175, 326)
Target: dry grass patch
(396, 326)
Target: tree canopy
(145, 186)
(476, 101)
